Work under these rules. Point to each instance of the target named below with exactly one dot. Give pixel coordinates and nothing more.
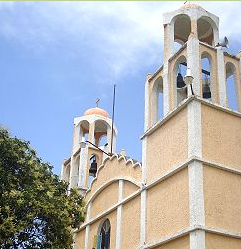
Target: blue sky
(56, 58)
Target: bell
(180, 81)
(206, 91)
(93, 168)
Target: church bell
(93, 168)
(206, 90)
(180, 81)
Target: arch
(106, 184)
(179, 67)
(84, 129)
(103, 238)
(94, 158)
(207, 79)
(157, 100)
(207, 30)
(231, 86)
(182, 28)
(101, 128)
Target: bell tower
(191, 141)
(95, 129)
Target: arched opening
(75, 172)
(157, 100)
(103, 238)
(67, 173)
(231, 85)
(180, 69)
(207, 77)
(182, 29)
(101, 128)
(205, 30)
(93, 166)
(84, 130)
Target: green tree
(35, 209)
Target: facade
(186, 193)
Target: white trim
(143, 218)
(193, 62)
(194, 129)
(147, 116)
(222, 91)
(196, 195)
(87, 230)
(88, 211)
(197, 239)
(183, 105)
(198, 231)
(119, 216)
(144, 154)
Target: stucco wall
(105, 199)
(131, 224)
(94, 230)
(222, 198)
(180, 243)
(168, 206)
(167, 146)
(80, 239)
(214, 241)
(113, 169)
(129, 188)
(221, 137)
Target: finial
(97, 102)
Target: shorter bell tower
(95, 128)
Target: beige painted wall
(112, 169)
(105, 199)
(131, 223)
(222, 198)
(221, 137)
(129, 188)
(94, 230)
(168, 206)
(180, 243)
(214, 241)
(80, 239)
(167, 146)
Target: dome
(97, 111)
(192, 6)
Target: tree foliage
(35, 209)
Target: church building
(186, 192)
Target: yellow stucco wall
(80, 239)
(105, 199)
(222, 198)
(167, 146)
(168, 206)
(221, 137)
(131, 224)
(214, 241)
(94, 229)
(180, 243)
(112, 169)
(129, 188)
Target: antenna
(113, 116)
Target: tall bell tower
(195, 145)
(95, 127)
